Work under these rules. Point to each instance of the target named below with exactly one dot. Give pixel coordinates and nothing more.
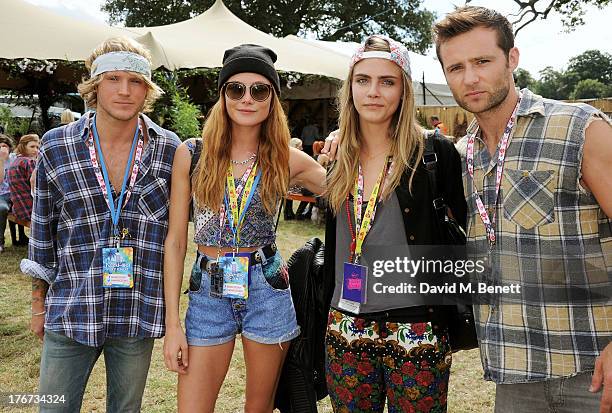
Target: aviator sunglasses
(258, 91)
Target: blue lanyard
(228, 212)
(114, 210)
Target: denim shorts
(267, 316)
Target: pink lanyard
(501, 157)
(136, 167)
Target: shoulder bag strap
(430, 160)
(195, 156)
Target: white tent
(201, 41)
(32, 32)
(424, 69)
(37, 33)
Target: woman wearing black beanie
(239, 282)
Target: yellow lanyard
(236, 215)
(362, 227)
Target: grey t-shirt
(387, 230)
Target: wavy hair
(20, 149)
(88, 88)
(272, 158)
(406, 135)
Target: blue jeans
(4, 210)
(562, 395)
(65, 367)
(267, 316)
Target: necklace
(247, 160)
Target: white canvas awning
(37, 33)
(201, 41)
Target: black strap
(195, 156)
(280, 208)
(430, 159)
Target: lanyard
(363, 225)
(102, 173)
(234, 214)
(501, 157)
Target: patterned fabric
(369, 362)
(19, 181)
(124, 61)
(552, 238)
(257, 229)
(71, 225)
(398, 55)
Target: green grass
(20, 349)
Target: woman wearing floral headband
(381, 347)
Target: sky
(541, 44)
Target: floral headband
(398, 54)
(129, 61)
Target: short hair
(434, 118)
(88, 88)
(25, 139)
(7, 140)
(66, 117)
(464, 19)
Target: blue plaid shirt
(71, 224)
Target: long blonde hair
(272, 159)
(406, 139)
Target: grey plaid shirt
(552, 239)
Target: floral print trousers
(370, 361)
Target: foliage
(572, 11)
(174, 110)
(348, 20)
(588, 75)
(592, 64)
(523, 78)
(13, 126)
(551, 84)
(590, 88)
(184, 116)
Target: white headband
(129, 61)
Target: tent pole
(423, 85)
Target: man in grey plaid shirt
(99, 222)
(542, 221)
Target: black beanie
(249, 58)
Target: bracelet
(41, 313)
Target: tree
(592, 64)
(571, 11)
(551, 84)
(589, 88)
(348, 20)
(523, 78)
